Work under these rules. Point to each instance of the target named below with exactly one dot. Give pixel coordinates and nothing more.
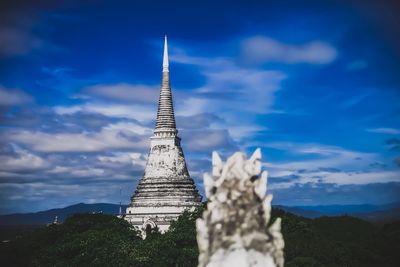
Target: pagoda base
(151, 217)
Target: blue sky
(314, 84)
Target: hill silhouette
(375, 213)
(47, 216)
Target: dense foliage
(103, 240)
(338, 241)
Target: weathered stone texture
(166, 188)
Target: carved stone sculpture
(234, 230)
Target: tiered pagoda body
(166, 188)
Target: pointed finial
(216, 164)
(165, 60)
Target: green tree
(103, 240)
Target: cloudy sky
(316, 86)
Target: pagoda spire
(165, 59)
(165, 123)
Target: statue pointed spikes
(208, 184)
(276, 225)
(255, 161)
(279, 244)
(267, 207)
(216, 160)
(256, 155)
(260, 186)
(216, 164)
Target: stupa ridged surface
(166, 188)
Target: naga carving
(234, 230)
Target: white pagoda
(166, 188)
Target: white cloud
(179, 55)
(260, 49)
(198, 121)
(239, 132)
(246, 89)
(191, 106)
(330, 165)
(207, 140)
(125, 92)
(13, 97)
(128, 126)
(320, 176)
(129, 159)
(230, 87)
(315, 148)
(356, 177)
(22, 161)
(384, 130)
(134, 111)
(110, 137)
(78, 172)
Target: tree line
(104, 240)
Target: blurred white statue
(234, 230)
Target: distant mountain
(300, 212)
(47, 216)
(375, 213)
(333, 210)
(381, 216)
